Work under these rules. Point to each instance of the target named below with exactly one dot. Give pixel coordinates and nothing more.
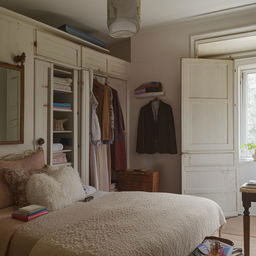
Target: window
(248, 112)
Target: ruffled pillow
(56, 190)
(17, 180)
(27, 161)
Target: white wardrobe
(50, 58)
(208, 147)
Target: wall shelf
(149, 94)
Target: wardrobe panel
(118, 68)
(42, 74)
(94, 60)
(57, 48)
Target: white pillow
(56, 190)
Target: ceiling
(91, 15)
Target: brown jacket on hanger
(103, 96)
(156, 136)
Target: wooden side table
(138, 181)
(248, 196)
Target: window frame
(244, 154)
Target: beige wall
(155, 55)
(121, 49)
(17, 38)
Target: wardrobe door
(84, 117)
(42, 77)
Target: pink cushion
(35, 161)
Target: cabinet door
(118, 68)
(56, 48)
(211, 175)
(94, 60)
(42, 76)
(207, 105)
(86, 85)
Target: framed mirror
(11, 104)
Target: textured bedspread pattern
(125, 224)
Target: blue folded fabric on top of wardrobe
(75, 32)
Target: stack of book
(30, 212)
(213, 246)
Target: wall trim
(217, 35)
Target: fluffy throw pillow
(31, 162)
(17, 180)
(56, 190)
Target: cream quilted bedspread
(126, 224)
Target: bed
(116, 224)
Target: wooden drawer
(94, 60)
(56, 48)
(118, 68)
(137, 181)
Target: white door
(208, 166)
(42, 78)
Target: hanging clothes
(106, 117)
(95, 136)
(107, 149)
(103, 96)
(118, 148)
(100, 167)
(99, 153)
(156, 130)
(95, 130)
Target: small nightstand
(248, 196)
(138, 181)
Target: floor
(233, 230)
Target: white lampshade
(123, 17)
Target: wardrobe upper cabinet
(118, 68)
(56, 48)
(94, 60)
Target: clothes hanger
(155, 99)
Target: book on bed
(30, 212)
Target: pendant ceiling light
(123, 17)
